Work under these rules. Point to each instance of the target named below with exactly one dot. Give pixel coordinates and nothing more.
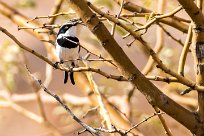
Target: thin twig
(51, 16)
(158, 46)
(161, 78)
(135, 15)
(58, 99)
(115, 130)
(44, 26)
(159, 42)
(171, 36)
(103, 109)
(117, 16)
(117, 109)
(161, 118)
(118, 22)
(40, 103)
(156, 18)
(103, 60)
(141, 122)
(171, 21)
(184, 52)
(94, 109)
(55, 10)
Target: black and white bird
(67, 48)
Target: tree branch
(55, 10)
(195, 12)
(148, 48)
(184, 52)
(88, 128)
(127, 68)
(169, 20)
(21, 20)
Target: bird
(67, 48)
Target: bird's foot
(56, 64)
(61, 61)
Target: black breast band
(66, 41)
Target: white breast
(67, 54)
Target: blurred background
(22, 114)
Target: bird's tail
(72, 77)
(65, 77)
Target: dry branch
(128, 5)
(21, 20)
(184, 52)
(158, 46)
(197, 17)
(68, 110)
(161, 65)
(55, 10)
(127, 68)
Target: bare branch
(68, 110)
(55, 10)
(171, 36)
(157, 18)
(141, 122)
(127, 68)
(184, 52)
(117, 16)
(169, 20)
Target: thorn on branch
(167, 80)
(81, 132)
(196, 13)
(158, 66)
(186, 91)
(130, 43)
(105, 42)
(96, 26)
(132, 77)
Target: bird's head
(68, 28)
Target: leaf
(25, 4)
(107, 3)
(120, 30)
(147, 17)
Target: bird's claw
(56, 65)
(61, 62)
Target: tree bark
(198, 51)
(127, 68)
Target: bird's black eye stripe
(63, 29)
(66, 41)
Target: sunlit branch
(68, 110)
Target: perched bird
(67, 48)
